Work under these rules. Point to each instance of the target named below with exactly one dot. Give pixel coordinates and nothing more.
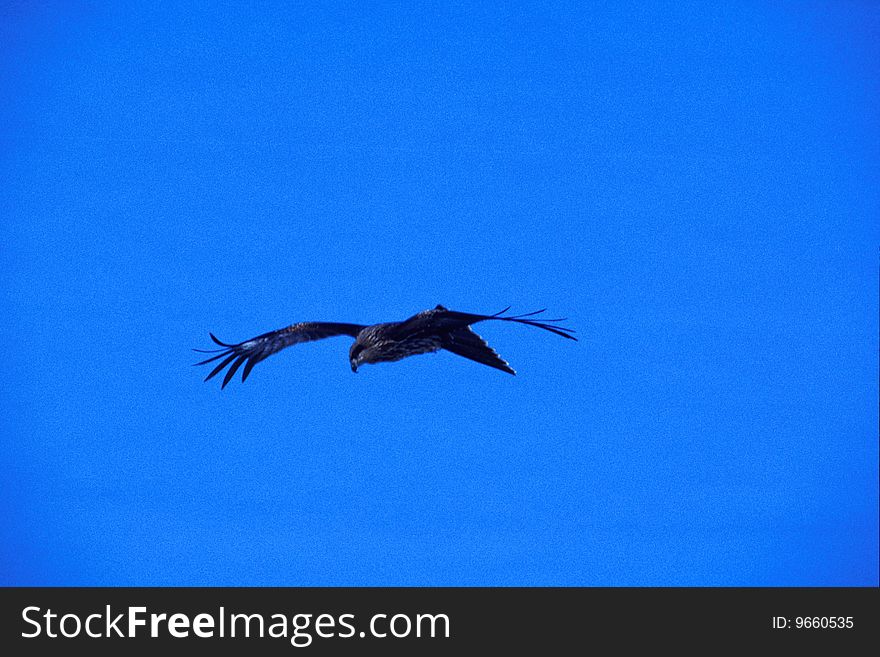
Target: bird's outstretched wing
(250, 352)
(454, 331)
(441, 321)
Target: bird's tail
(465, 342)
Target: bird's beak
(354, 367)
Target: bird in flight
(423, 333)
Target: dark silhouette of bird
(424, 332)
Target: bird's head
(356, 356)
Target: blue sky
(694, 186)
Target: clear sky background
(695, 186)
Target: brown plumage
(425, 332)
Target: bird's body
(425, 332)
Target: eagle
(425, 332)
